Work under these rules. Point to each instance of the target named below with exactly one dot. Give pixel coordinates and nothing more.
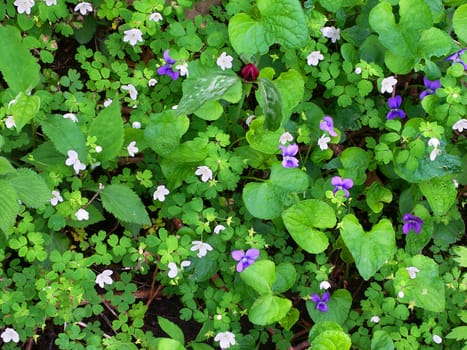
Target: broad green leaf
(65, 135)
(458, 333)
(322, 327)
(18, 66)
(440, 193)
(459, 22)
(434, 42)
(338, 308)
(9, 206)
(124, 204)
(200, 346)
(262, 200)
(372, 249)
(165, 130)
(204, 269)
(211, 110)
(290, 319)
(260, 276)
(355, 162)
(329, 336)
(24, 109)
(331, 5)
(30, 187)
(291, 88)
(5, 166)
(247, 35)
(426, 290)
(263, 140)
(107, 127)
(197, 91)
(377, 195)
(381, 341)
(289, 179)
(167, 344)
(303, 221)
(268, 309)
(286, 275)
(171, 329)
(271, 103)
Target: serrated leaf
(24, 109)
(458, 333)
(107, 127)
(124, 204)
(30, 187)
(171, 329)
(9, 206)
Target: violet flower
(411, 222)
(288, 153)
(394, 104)
(455, 58)
(342, 185)
(431, 86)
(245, 259)
(327, 124)
(321, 301)
(167, 68)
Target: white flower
(74, 161)
(314, 57)
(152, 82)
(82, 214)
(455, 183)
(98, 149)
(375, 319)
(104, 278)
(174, 107)
(224, 61)
(387, 84)
(412, 270)
(323, 142)
(437, 339)
(173, 268)
(136, 125)
(285, 137)
(358, 70)
(9, 334)
(183, 68)
(218, 229)
(250, 119)
(24, 6)
(156, 17)
(71, 116)
(401, 294)
(10, 122)
(204, 172)
(50, 2)
(108, 102)
(132, 90)
(132, 149)
(160, 193)
(56, 197)
(434, 142)
(201, 247)
(225, 339)
(460, 125)
(132, 36)
(84, 8)
(324, 285)
(332, 33)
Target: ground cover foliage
(233, 174)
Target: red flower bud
(250, 72)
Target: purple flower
(167, 68)
(342, 185)
(245, 259)
(288, 153)
(394, 103)
(431, 86)
(455, 58)
(321, 301)
(327, 124)
(411, 222)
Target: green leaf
(338, 308)
(426, 290)
(211, 110)
(329, 336)
(171, 329)
(355, 162)
(289, 179)
(461, 257)
(9, 206)
(303, 221)
(377, 195)
(24, 109)
(167, 344)
(271, 103)
(434, 42)
(30, 187)
(5, 166)
(381, 341)
(459, 22)
(107, 127)
(416, 242)
(440, 193)
(261, 139)
(286, 276)
(372, 249)
(458, 333)
(247, 35)
(268, 309)
(290, 319)
(19, 68)
(262, 200)
(290, 85)
(122, 202)
(65, 135)
(260, 276)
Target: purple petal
(172, 74)
(322, 307)
(347, 183)
(252, 253)
(336, 181)
(238, 255)
(291, 150)
(163, 69)
(290, 162)
(167, 58)
(394, 102)
(392, 114)
(240, 267)
(326, 297)
(315, 298)
(424, 94)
